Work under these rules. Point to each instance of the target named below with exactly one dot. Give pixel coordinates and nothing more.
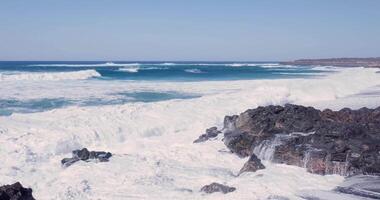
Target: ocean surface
(148, 114)
(105, 73)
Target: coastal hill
(339, 62)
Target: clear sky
(233, 30)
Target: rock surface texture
(217, 187)
(86, 155)
(210, 133)
(344, 142)
(252, 165)
(15, 192)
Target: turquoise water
(9, 106)
(22, 74)
(178, 71)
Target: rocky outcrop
(217, 187)
(210, 133)
(344, 142)
(86, 155)
(252, 165)
(15, 192)
(339, 62)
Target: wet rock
(252, 165)
(86, 155)
(217, 187)
(15, 192)
(344, 142)
(210, 133)
(361, 186)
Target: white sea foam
(49, 76)
(168, 64)
(137, 69)
(130, 69)
(108, 64)
(194, 71)
(254, 65)
(154, 157)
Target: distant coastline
(339, 62)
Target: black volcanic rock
(15, 192)
(86, 155)
(342, 142)
(252, 165)
(217, 187)
(210, 133)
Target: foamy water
(154, 157)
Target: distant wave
(194, 71)
(130, 69)
(46, 76)
(168, 64)
(326, 68)
(265, 65)
(108, 64)
(137, 69)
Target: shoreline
(337, 62)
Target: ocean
(85, 74)
(148, 114)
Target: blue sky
(188, 29)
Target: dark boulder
(217, 187)
(15, 192)
(252, 165)
(86, 155)
(210, 133)
(344, 142)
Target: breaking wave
(49, 76)
(137, 69)
(194, 71)
(130, 69)
(108, 64)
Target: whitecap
(130, 69)
(49, 76)
(107, 64)
(194, 71)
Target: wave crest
(49, 76)
(107, 64)
(194, 71)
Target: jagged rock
(252, 165)
(210, 133)
(15, 192)
(342, 142)
(217, 187)
(86, 155)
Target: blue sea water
(133, 71)
(173, 71)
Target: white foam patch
(108, 64)
(265, 65)
(49, 76)
(130, 69)
(194, 71)
(154, 157)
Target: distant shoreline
(338, 62)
